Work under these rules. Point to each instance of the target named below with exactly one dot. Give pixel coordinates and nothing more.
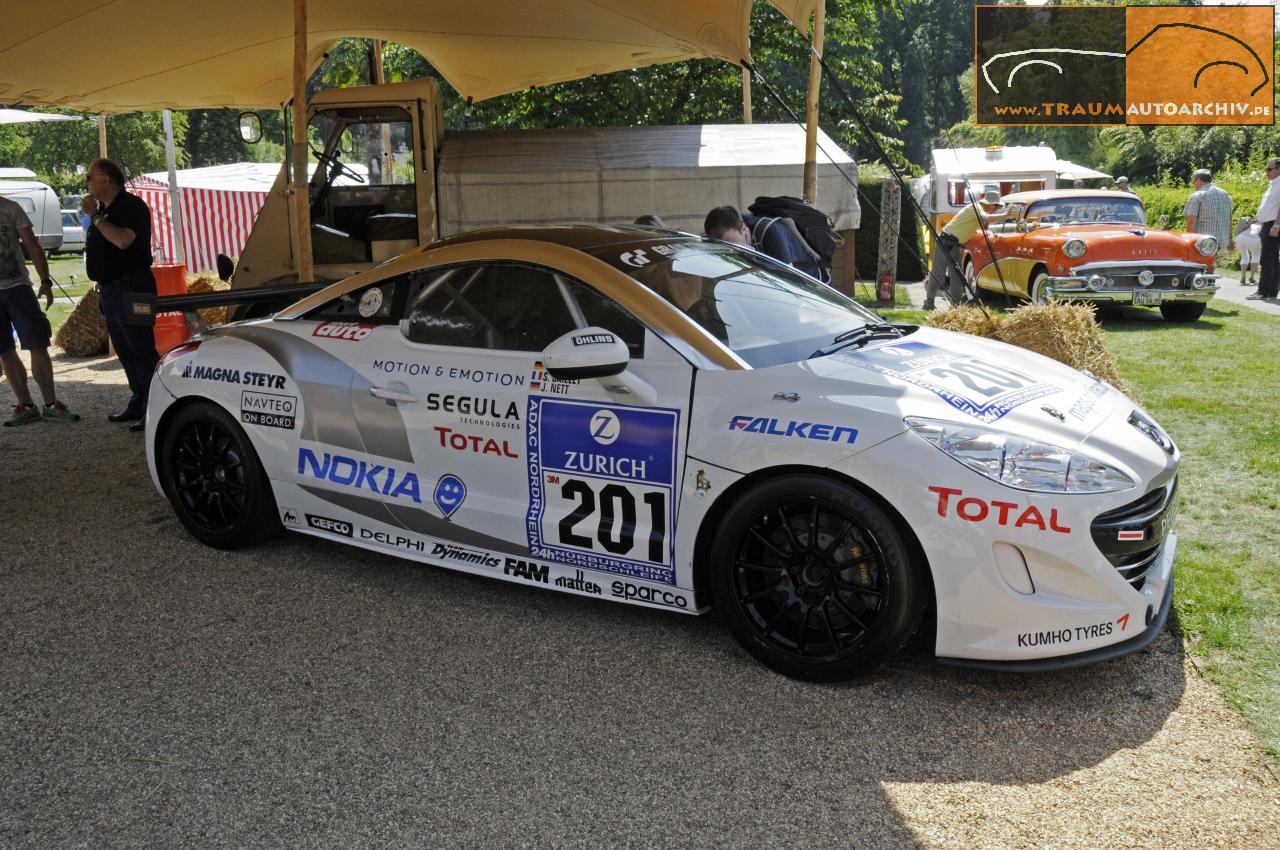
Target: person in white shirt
(1269, 217)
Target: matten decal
(983, 390)
(602, 486)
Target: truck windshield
(1083, 210)
(765, 312)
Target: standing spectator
(20, 311)
(771, 236)
(1208, 211)
(948, 253)
(1249, 244)
(1268, 213)
(117, 253)
(1122, 185)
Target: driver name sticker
(984, 390)
(602, 486)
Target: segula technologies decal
(1095, 65)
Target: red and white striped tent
(219, 205)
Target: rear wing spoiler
(141, 308)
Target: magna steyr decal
(601, 486)
(270, 409)
(981, 389)
(359, 474)
(792, 428)
(234, 376)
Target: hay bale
(209, 283)
(84, 333)
(967, 320)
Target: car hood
(1163, 242)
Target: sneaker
(22, 414)
(1254, 297)
(58, 412)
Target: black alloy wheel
(814, 579)
(214, 479)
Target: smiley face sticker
(449, 495)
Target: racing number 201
(1000, 380)
(615, 500)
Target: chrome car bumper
(1095, 288)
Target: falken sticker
(984, 390)
(602, 486)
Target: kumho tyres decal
(602, 486)
(984, 390)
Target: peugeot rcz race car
(649, 417)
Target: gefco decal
(269, 409)
(1053, 637)
(453, 373)
(350, 331)
(656, 596)
(792, 428)
(460, 442)
(1003, 513)
(540, 381)
(601, 486)
(359, 474)
(984, 390)
(246, 378)
(475, 410)
(594, 339)
(333, 526)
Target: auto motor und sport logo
(351, 331)
(1082, 65)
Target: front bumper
(1121, 284)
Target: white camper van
(40, 204)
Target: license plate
(1147, 297)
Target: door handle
(393, 395)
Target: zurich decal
(450, 494)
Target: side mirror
(586, 353)
(225, 267)
(250, 128)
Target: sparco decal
(352, 331)
(792, 428)
(452, 439)
(627, 590)
(526, 570)
(601, 486)
(1003, 513)
(246, 378)
(461, 554)
(270, 409)
(578, 582)
(359, 474)
(333, 526)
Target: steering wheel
(336, 166)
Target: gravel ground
(300, 694)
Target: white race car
(653, 418)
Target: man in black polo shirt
(117, 253)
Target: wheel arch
(723, 502)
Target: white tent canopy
(1068, 170)
(22, 116)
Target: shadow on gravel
(302, 693)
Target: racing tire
(214, 480)
(1038, 284)
(1182, 311)
(814, 580)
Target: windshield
(763, 311)
(1084, 210)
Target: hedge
(1170, 200)
(867, 243)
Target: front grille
(1166, 277)
(1132, 536)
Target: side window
(507, 307)
(373, 305)
(599, 311)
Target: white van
(41, 206)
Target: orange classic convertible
(1092, 245)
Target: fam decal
(226, 375)
(602, 486)
(1003, 513)
(792, 428)
(269, 409)
(984, 390)
(527, 570)
(359, 474)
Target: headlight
(1019, 463)
(1207, 246)
(1073, 248)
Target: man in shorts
(20, 311)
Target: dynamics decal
(983, 390)
(602, 486)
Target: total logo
(792, 428)
(353, 331)
(359, 474)
(979, 510)
(605, 427)
(459, 442)
(627, 590)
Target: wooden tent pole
(811, 106)
(102, 135)
(298, 183)
(746, 90)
